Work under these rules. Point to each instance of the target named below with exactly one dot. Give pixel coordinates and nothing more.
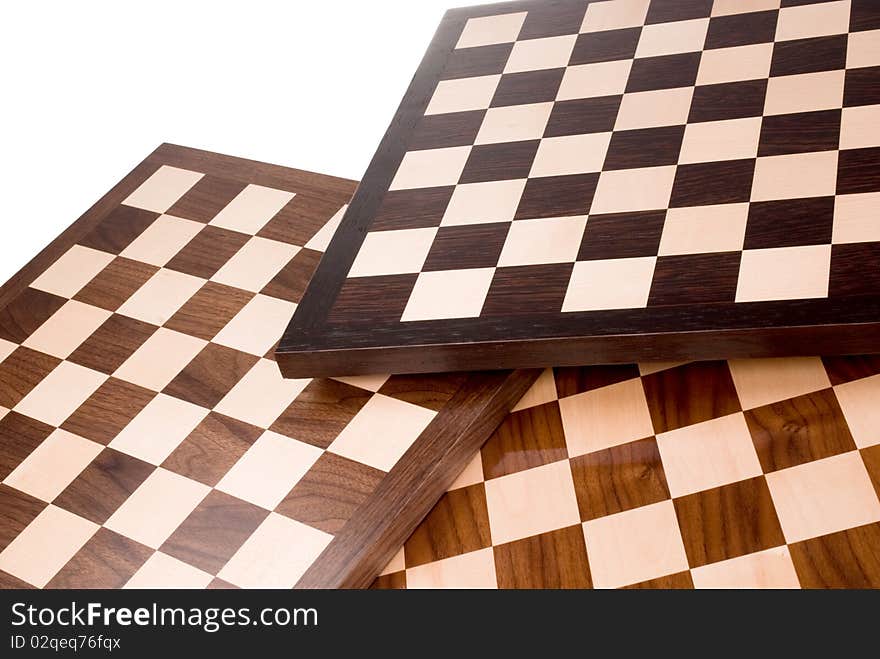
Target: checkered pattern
(578, 158)
(754, 473)
(147, 438)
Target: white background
(90, 88)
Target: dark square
(107, 411)
(208, 311)
(112, 343)
(21, 371)
(689, 394)
(435, 131)
(556, 559)
(864, 15)
(846, 368)
(572, 380)
(809, 55)
(527, 290)
(327, 496)
(528, 87)
(855, 269)
(107, 560)
(19, 436)
(805, 132)
(206, 198)
(553, 19)
(525, 439)
(846, 559)
(709, 183)
(205, 254)
(291, 281)
(619, 478)
(742, 29)
(116, 283)
(664, 72)
(301, 218)
(790, 222)
(499, 162)
(26, 312)
(17, 510)
(731, 100)
(557, 196)
(583, 115)
(104, 485)
(479, 61)
(366, 300)
(116, 231)
(412, 209)
(695, 279)
(667, 11)
(210, 375)
(468, 246)
(212, 448)
(321, 412)
(646, 147)
(857, 171)
(430, 390)
(463, 509)
(605, 46)
(214, 531)
(622, 235)
(862, 87)
(798, 430)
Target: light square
(514, 123)
(591, 80)
(53, 465)
(860, 127)
(470, 475)
(806, 92)
(610, 284)
(721, 65)
(45, 546)
(537, 54)
(813, 20)
(371, 382)
(164, 571)
(252, 208)
(475, 569)
(159, 192)
(858, 400)
(572, 154)
(261, 395)
(448, 294)
(160, 298)
(614, 14)
(771, 568)
(823, 497)
(488, 30)
(255, 264)
(795, 176)
(6, 348)
(633, 546)
(481, 203)
(541, 392)
(156, 508)
(431, 168)
(671, 38)
(269, 469)
(760, 382)
(73, 270)
(730, 7)
(708, 454)
(393, 252)
(710, 141)
(66, 329)
(158, 429)
(856, 219)
(276, 555)
(784, 273)
(160, 241)
(655, 108)
(624, 190)
(463, 94)
(58, 395)
(161, 357)
(549, 240)
(258, 326)
(382, 431)
(863, 49)
(321, 240)
(530, 502)
(605, 417)
(704, 229)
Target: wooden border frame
(315, 347)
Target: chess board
(147, 438)
(742, 474)
(570, 182)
